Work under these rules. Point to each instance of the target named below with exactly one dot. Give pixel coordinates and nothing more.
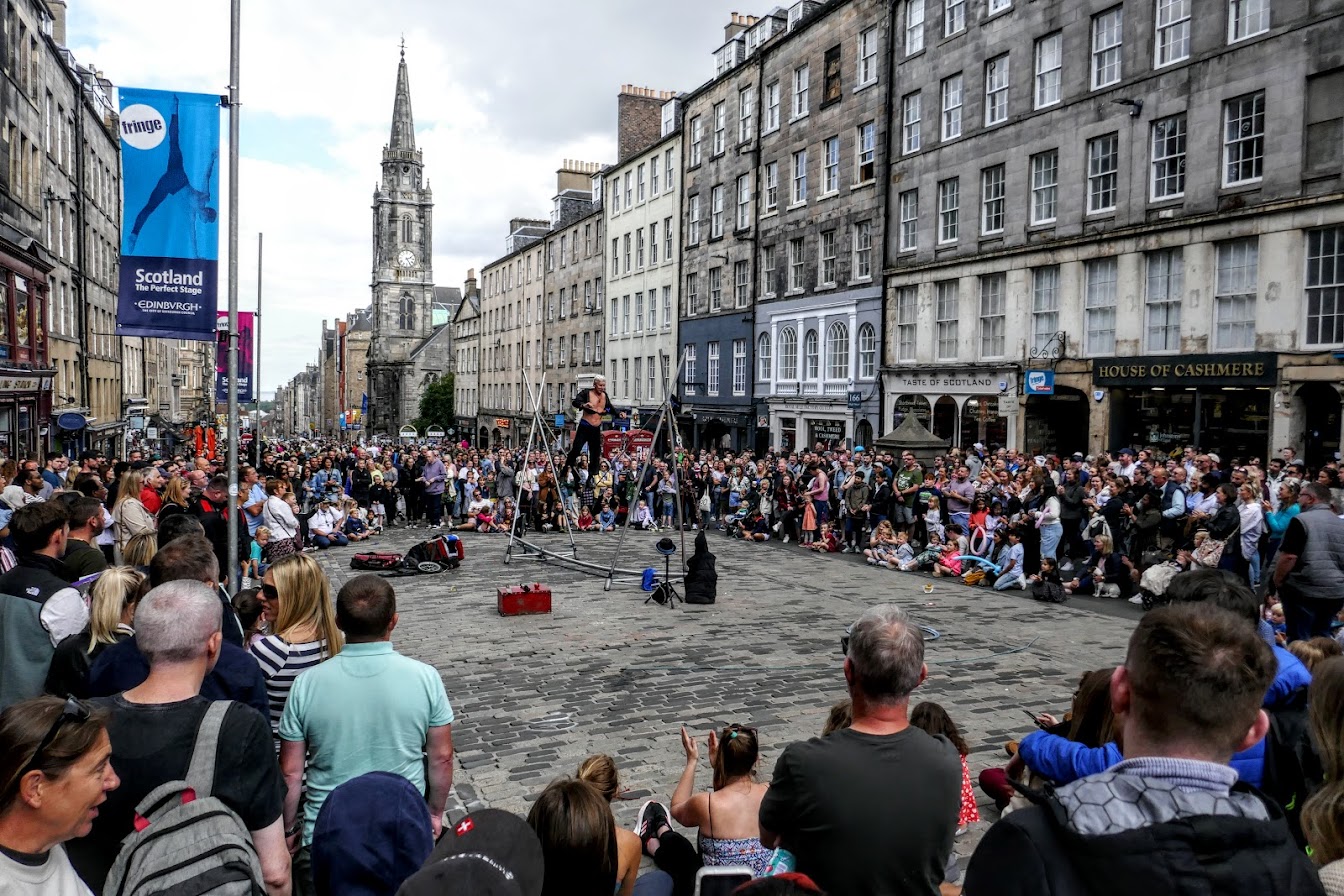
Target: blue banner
(170, 214)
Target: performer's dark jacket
(582, 399)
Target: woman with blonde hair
(113, 599)
(600, 772)
(174, 498)
(1323, 813)
(140, 549)
(302, 624)
(130, 513)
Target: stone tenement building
(642, 202)
(512, 310)
(1135, 209)
(720, 159)
(408, 349)
(820, 225)
(466, 364)
(573, 328)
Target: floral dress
(970, 812)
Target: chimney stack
(57, 8)
(639, 112)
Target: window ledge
(799, 117)
(790, 208)
(794, 292)
(771, 213)
(859, 88)
(862, 185)
(831, 195)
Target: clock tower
(403, 277)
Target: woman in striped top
(302, 624)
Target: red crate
(524, 600)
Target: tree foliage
(436, 405)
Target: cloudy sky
(502, 92)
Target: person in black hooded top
(702, 579)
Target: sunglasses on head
(73, 711)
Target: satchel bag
(1210, 552)
(277, 548)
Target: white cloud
(501, 92)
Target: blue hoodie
(1063, 761)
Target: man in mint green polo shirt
(366, 709)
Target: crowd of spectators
(1209, 761)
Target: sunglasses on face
(269, 591)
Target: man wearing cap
(365, 709)
(1126, 464)
(1308, 572)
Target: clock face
(406, 258)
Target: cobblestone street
(607, 673)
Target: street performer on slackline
(595, 404)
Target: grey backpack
(187, 842)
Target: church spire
(403, 125)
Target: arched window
(788, 354)
(406, 316)
(763, 357)
(407, 231)
(810, 354)
(837, 351)
(867, 351)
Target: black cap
(487, 853)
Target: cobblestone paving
(605, 672)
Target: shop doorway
(1057, 424)
(945, 420)
(483, 439)
(1320, 438)
(863, 434)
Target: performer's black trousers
(590, 435)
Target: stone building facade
(81, 202)
(642, 204)
(715, 330)
(819, 208)
(574, 270)
(466, 366)
(1117, 223)
(512, 328)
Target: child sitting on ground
(882, 545)
(643, 518)
(1047, 585)
(606, 520)
(827, 543)
(903, 553)
(949, 560)
(926, 558)
(355, 527)
(756, 528)
(1278, 624)
(586, 523)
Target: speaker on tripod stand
(665, 592)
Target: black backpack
(1292, 766)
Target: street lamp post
(235, 34)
